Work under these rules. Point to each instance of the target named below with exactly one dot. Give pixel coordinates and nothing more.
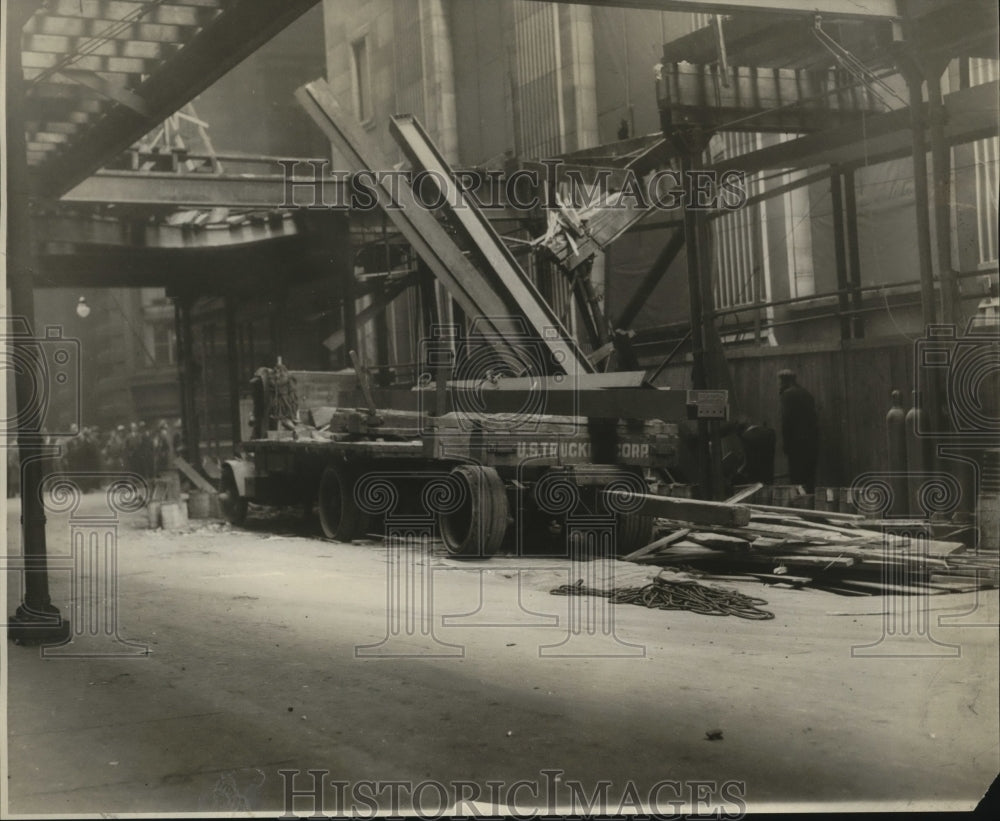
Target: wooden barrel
(153, 512)
(784, 495)
(827, 498)
(198, 505)
(847, 500)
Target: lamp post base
(30, 628)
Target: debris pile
(839, 552)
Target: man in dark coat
(799, 431)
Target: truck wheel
(633, 532)
(478, 526)
(339, 515)
(234, 507)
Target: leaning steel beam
(844, 9)
(225, 41)
(479, 238)
(476, 296)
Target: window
(161, 345)
(361, 76)
(985, 153)
(739, 262)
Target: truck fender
(243, 470)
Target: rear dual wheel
(339, 514)
(478, 525)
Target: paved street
(254, 667)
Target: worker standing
(799, 431)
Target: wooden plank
(825, 562)
(720, 541)
(684, 510)
(656, 545)
(882, 587)
(805, 513)
(746, 493)
(775, 578)
(196, 478)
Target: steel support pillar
(428, 299)
(912, 70)
(853, 254)
(921, 190)
(189, 409)
(840, 253)
(233, 373)
(344, 265)
(691, 144)
(941, 157)
(36, 620)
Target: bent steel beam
(479, 238)
(477, 295)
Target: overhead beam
(970, 114)
(59, 229)
(240, 270)
(842, 9)
(210, 190)
(225, 41)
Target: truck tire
(632, 532)
(234, 507)
(478, 526)
(339, 515)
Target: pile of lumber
(840, 552)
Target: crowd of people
(89, 453)
(137, 449)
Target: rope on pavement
(664, 594)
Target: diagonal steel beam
(480, 239)
(471, 290)
(652, 278)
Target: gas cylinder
(916, 456)
(895, 429)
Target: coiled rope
(665, 594)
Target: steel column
(941, 156)
(36, 620)
(853, 253)
(233, 372)
(921, 191)
(839, 252)
(691, 143)
(192, 434)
